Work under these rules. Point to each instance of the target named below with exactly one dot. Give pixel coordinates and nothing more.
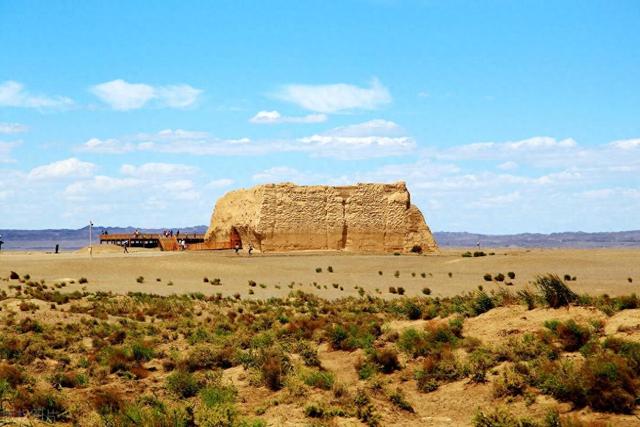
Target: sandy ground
(597, 270)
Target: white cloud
(497, 200)
(13, 94)
(156, 170)
(219, 183)
(62, 169)
(106, 146)
(333, 98)
(626, 144)
(274, 117)
(124, 96)
(99, 185)
(8, 128)
(5, 151)
(375, 138)
(508, 165)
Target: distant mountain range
(75, 239)
(72, 239)
(570, 239)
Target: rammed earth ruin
(289, 217)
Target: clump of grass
(479, 254)
(400, 290)
(466, 255)
(318, 269)
(511, 275)
(554, 291)
(83, 280)
(487, 277)
(183, 384)
(398, 398)
(396, 274)
(205, 279)
(426, 291)
(423, 275)
(140, 279)
(499, 277)
(330, 269)
(216, 281)
(320, 379)
(393, 290)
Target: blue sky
(502, 116)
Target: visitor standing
(126, 243)
(250, 248)
(237, 248)
(1, 242)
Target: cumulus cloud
(626, 144)
(155, 170)
(123, 96)
(274, 117)
(376, 138)
(333, 98)
(219, 183)
(106, 146)
(14, 94)
(68, 168)
(8, 128)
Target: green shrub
(386, 360)
(183, 384)
(554, 291)
(320, 379)
(398, 398)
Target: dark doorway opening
(234, 238)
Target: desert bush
(511, 275)
(68, 380)
(479, 362)
(317, 378)
(426, 291)
(83, 280)
(318, 269)
(351, 335)
(398, 398)
(527, 297)
(182, 384)
(140, 279)
(439, 366)
(14, 276)
(12, 375)
(400, 290)
(554, 291)
(487, 277)
(273, 370)
(466, 254)
(386, 360)
(142, 351)
(571, 335)
(412, 310)
(481, 303)
(499, 277)
(479, 253)
(393, 290)
(330, 269)
(500, 417)
(308, 353)
(209, 356)
(512, 381)
(42, 404)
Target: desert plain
(448, 273)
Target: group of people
(237, 249)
